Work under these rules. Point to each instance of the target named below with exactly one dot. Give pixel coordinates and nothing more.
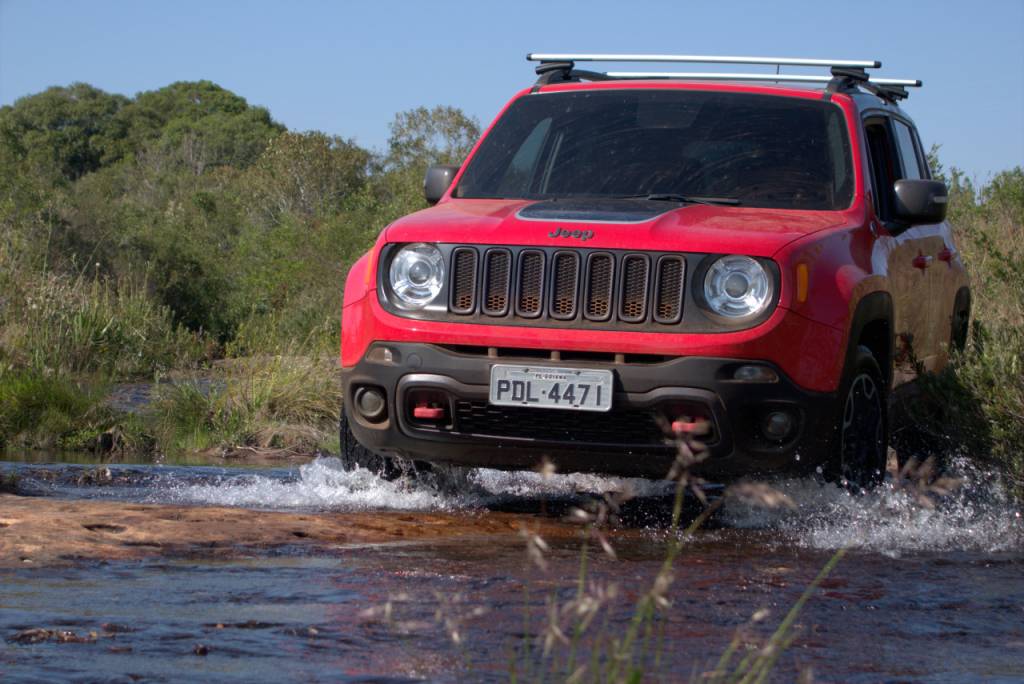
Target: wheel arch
(871, 326)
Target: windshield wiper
(687, 199)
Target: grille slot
(530, 294)
(668, 290)
(565, 281)
(463, 279)
(497, 272)
(633, 293)
(600, 285)
(621, 427)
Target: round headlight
(737, 287)
(416, 275)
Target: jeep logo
(578, 234)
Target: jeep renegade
(625, 250)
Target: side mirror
(921, 201)
(437, 181)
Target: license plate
(557, 388)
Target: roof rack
(846, 74)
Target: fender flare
(873, 307)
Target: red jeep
(624, 250)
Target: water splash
(979, 516)
(324, 484)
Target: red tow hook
(425, 412)
(685, 427)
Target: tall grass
(284, 403)
(976, 405)
(46, 410)
(77, 324)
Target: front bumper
(629, 440)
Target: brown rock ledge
(43, 531)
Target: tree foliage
(421, 136)
(240, 226)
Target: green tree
(307, 175)
(201, 123)
(63, 133)
(421, 136)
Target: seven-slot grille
(567, 285)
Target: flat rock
(44, 531)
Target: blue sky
(347, 67)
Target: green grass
(977, 402)
(80, 325)
(46, 410)
(285, 403)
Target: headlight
(737, 287)
(416, 275)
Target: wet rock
(61, 636)
(30, 636)
(56, 531)
(96, 476)
(113, 628)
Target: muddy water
(922, 595)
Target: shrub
(78, 325)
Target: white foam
(978, 517)
(324, 484)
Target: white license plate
(558, 388)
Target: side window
(908, 151)
(884, 166)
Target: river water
(921, 595)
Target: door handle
(947, 255)
(922, 262)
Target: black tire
(857, 457)
(355, 455)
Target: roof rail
(846, 74)
(702, 59)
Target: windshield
(760, 150)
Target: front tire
(355, 455)
(860, 448)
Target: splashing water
(979, 516)
(324, 484)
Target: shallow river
(922, 595)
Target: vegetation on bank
(179, 231)
(185, 231)
(976, 406)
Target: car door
(906, 253)
(938, 249)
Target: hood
(614, 224)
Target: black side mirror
(437, 181)
(921, 201)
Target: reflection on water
(299, 618)
(925, 595)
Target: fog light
(777, 425)
(751, 373)
(371, 403)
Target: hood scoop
(597, 210)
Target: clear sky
(347, 67)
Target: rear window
(762, 150)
